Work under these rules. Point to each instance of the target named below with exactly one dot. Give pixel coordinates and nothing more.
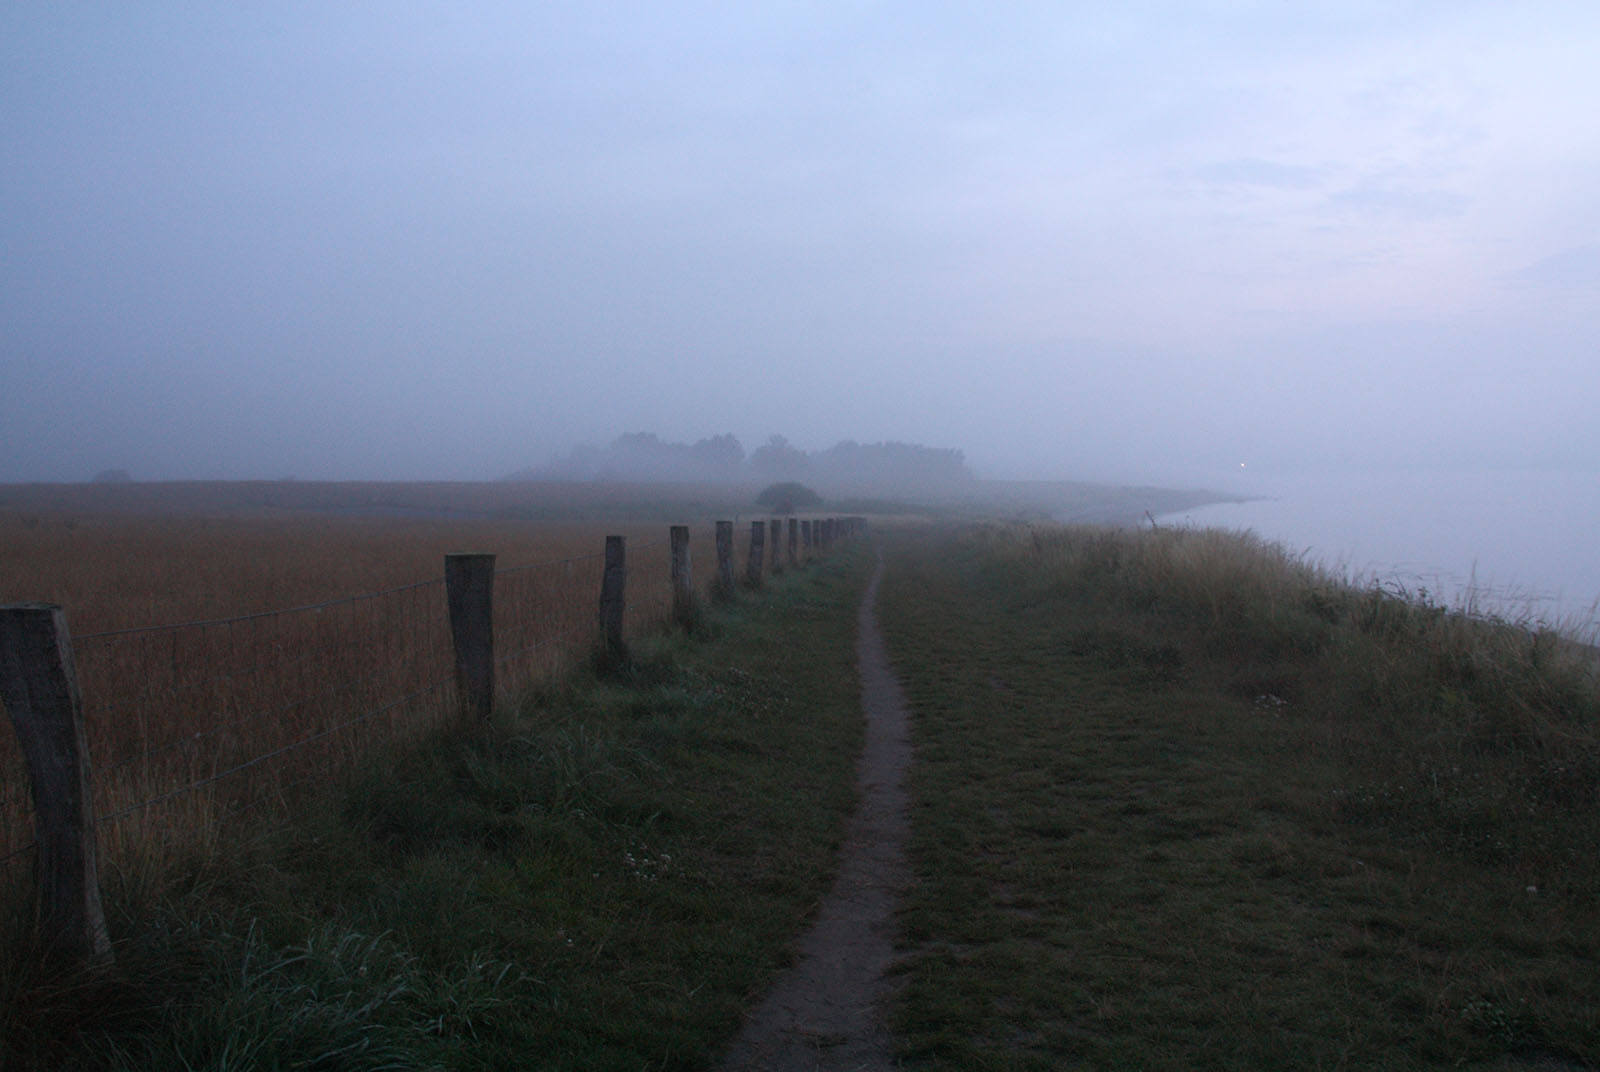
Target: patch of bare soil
(827, 1011)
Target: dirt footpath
(827, 1012)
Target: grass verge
(1182, 802)
(599, 880)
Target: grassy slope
(601, 882)
(1153, 830)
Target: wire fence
(194, 723)
(200, 719)
(650, 582)
(538, 623)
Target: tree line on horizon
(645, 456)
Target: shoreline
(1073, 502)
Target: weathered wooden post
(725, 558)
(469, 591)
(805, 536)
(777, 546)
(39, 686)
(758, 532)
(682, 585)
(794, 542)
(613, 598)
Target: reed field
(226, 657)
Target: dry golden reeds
(226, 661)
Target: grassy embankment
(1182, 801)
(599, 880)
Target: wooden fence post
(682, 585)
(39, 685)
(758, 532)
(805, 536)
(725, 558)
(613, 598)
(794, 542)
(469, 591)
(777, 546)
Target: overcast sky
(1133, 241)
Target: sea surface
(1521, 544)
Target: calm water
(1523, 543)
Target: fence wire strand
(14, 853)
(207, 622)
(506, 570)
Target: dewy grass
(1183, 801)
(600, 879)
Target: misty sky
(1135, 241)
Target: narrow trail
(827, 1011)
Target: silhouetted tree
(787, 496)
(719, 454)
(779, 457)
